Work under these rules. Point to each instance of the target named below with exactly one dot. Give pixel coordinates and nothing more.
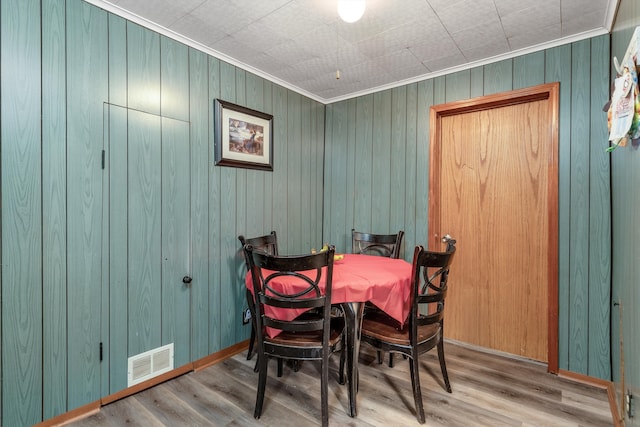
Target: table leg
(353, 317)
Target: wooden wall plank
(579, 228)
(174, 79)
(54, 214)
(114, 321)
(269, 207)
(363, 163)
(477, 82)
(599, 216)
(227, 210)
(87, 67)
(20, 167)
(381, 163)
(336, 178)
(430, 92)
(528, 70)
(235, 259)
(351, 209)
(216, 194)
(294, 158)
(117, 60)
(143, 69)
(411, 171)
(439, 91)
(255, 182)
(144, 198)
(176, 245)
(305, 175)
(318, 144)
(498, 76)
(117, 340)
(398, 159)
(315, 217)
(329, 135)
(458, 85)
(280, 168)
(558, 69)
(200, 104)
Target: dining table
(357, 279)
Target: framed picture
(243, 138)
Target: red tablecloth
(384, 282)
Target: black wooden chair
(268, 244)
(424, 329)
(313, 336)
(387, 245)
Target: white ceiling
(301, 43)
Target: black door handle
(186, 280)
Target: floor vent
(150, 364)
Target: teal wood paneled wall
(377, 168)
(625, 179)
(71, 74)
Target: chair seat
(310, 339)
(379, 325)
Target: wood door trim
(551, 93)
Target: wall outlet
(628, 405)
(246, 316)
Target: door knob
(186, 280)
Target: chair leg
(390, 360)
(324, 390)
(252, 310)
(379, 357)
(280, 363)
(262, 382)
(443, 365)
(415, 383)
(252, 340)
(343, 356)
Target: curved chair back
(268, 244)
(387, 245)
(302, 283)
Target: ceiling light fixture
(351, 10)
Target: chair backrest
(430, 275)
(387, 245)
(309, 282)
(267, 243)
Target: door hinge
(104, 155)
(101, 352)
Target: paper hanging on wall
(623, 103)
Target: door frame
(551, 93)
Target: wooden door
(493, 187)
(149, 237)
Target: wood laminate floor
(488, 390)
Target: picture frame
(243, 137)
